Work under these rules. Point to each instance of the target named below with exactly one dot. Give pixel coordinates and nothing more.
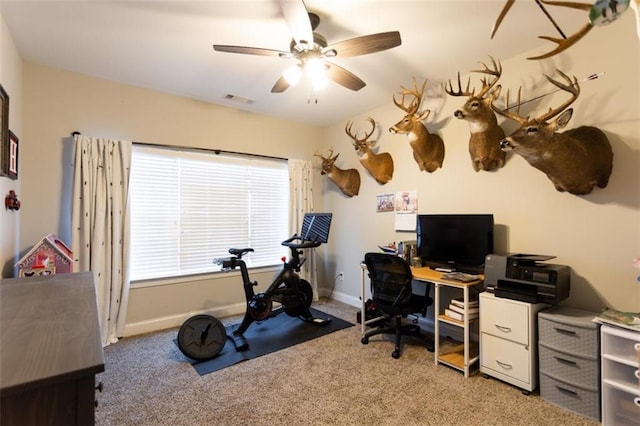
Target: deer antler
(466, 91)
(572, 87)
(496, 72)
(414, 106)
(565, 43)
(505, 112)
(347, 129)
(319, 154)
(355, 138)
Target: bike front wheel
(201, 337)
(301, 308)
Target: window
(189, 207)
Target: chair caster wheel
(395, 354)
(365, 340)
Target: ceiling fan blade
(252, 51)
(366, 44)
(297, 17)
(280, 86)
(344, 78)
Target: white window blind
(188, 208)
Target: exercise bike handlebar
(294, 244)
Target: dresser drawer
(621, 374)
(570, 368)
(559, 332)
(505, 357)
(505, 318)
(620, 407)
(574, 398)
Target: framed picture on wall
(12, 157)
(4, 132)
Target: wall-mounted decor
(428, 148)
(11, 201)
(575, 160)
(4, 132)
(384, 203)
(348, 180)
(486, 134)
(12, 156)
(406, 207)
(379, 166)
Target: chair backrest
(390, 278)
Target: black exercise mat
(268, 336)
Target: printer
(523, 277)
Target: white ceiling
(167, 45)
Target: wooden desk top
(49, 330)
(428, 274)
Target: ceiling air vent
(238, 99)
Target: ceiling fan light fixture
(316, 73)
(293, 74)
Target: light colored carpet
(331, 380)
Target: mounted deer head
(486, 134)
(380, 166)
(347, 180)
(428, 148)
(576, 160)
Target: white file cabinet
(620, 376)
(508, 340)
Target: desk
(461, 357)
(51, 349)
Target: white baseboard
(172, 321)
(163, 323)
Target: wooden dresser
(50, 350)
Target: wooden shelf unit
(466, 353)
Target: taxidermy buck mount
(379, 166)
(347, 180)
(575, 160)
(486, 134)
(428, 148)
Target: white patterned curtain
(301, 190)
(100, 228)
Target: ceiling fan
(310, 50)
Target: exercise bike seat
(239, 252)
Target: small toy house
(49, 257)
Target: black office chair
(391, 293)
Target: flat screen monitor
(315, 227)
(455, 241)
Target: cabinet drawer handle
(637, 374)
(563, 330)
(565, 361)
(503, 328)
(637, 347)
(504, 365)
(569, 391)
(636, 401)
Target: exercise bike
(202, 337)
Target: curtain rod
(190, 148)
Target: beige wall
(597, 235)
(58, 102)
(11, 80)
